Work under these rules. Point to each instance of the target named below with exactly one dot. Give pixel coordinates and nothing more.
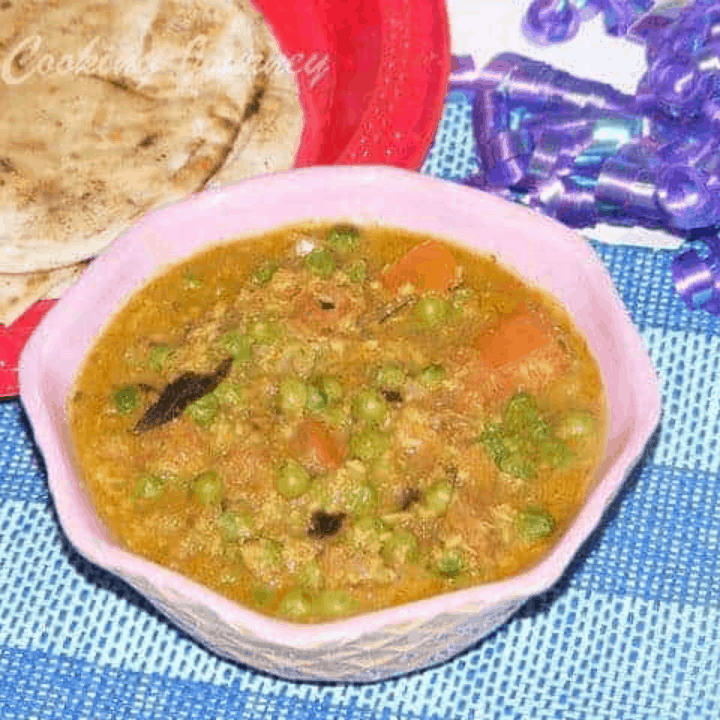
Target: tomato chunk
(515, 338)
(428, 266)
(316, 443)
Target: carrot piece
(429, 266)
(315, 442)
(515, 338)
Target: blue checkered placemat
(632, 630)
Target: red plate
(372, 76)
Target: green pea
(292, 480)
(438, 497)
(511, 453)
(263, 274)
(208, 487)
(316, 400)
(519, 444)
(400, 548)
(343, 238)
(432, 375)
(149, 487)
(203, 411)
(356, 271)
(238, 345)
(331, 387)
(292, 395)
(336, 416)
(320, 495)
(576, 425)
(390, 376)
(191, 281)
(517, 466)
(262, 555)
(538, 431)
(273, 550)
(335, 602)
(296, 604)
(369, 406)
(126, 399)
(230, 393)
(265, 332)
(370, 525)
(492, 440)
(368, 532)
(311, 576)
(235, 526)
(368, 445)
(451, 562)
(521, 415)
(263, 596)
(159, 355)
(534, 524)
(555, 452)
(431, 310)
(320, 262)
(461, 297)
(519, 409)
(361, 499)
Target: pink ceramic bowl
(401, 639)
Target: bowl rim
(136, 570)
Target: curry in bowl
(329, 420)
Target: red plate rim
(373, 76)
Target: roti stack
(108, 110)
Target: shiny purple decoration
(675, 85)
(626, 192)
(582, 152)
(682, 193)
(620, 15)
(648, 27)
(551, 21)
(697, 278)
(536, 86)
(461, 63)
(564, 145)
(555, 21)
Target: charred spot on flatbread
(120, 84)
(269, 139)
(148, 141)
(253, 107)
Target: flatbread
(269, 139)
(19, 291)
(139, 104)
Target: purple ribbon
(549, 136)
(697, 279)
(582, 152)
(551, 21)
(555, 21)
(536, 125)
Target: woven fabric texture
(631, 632)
